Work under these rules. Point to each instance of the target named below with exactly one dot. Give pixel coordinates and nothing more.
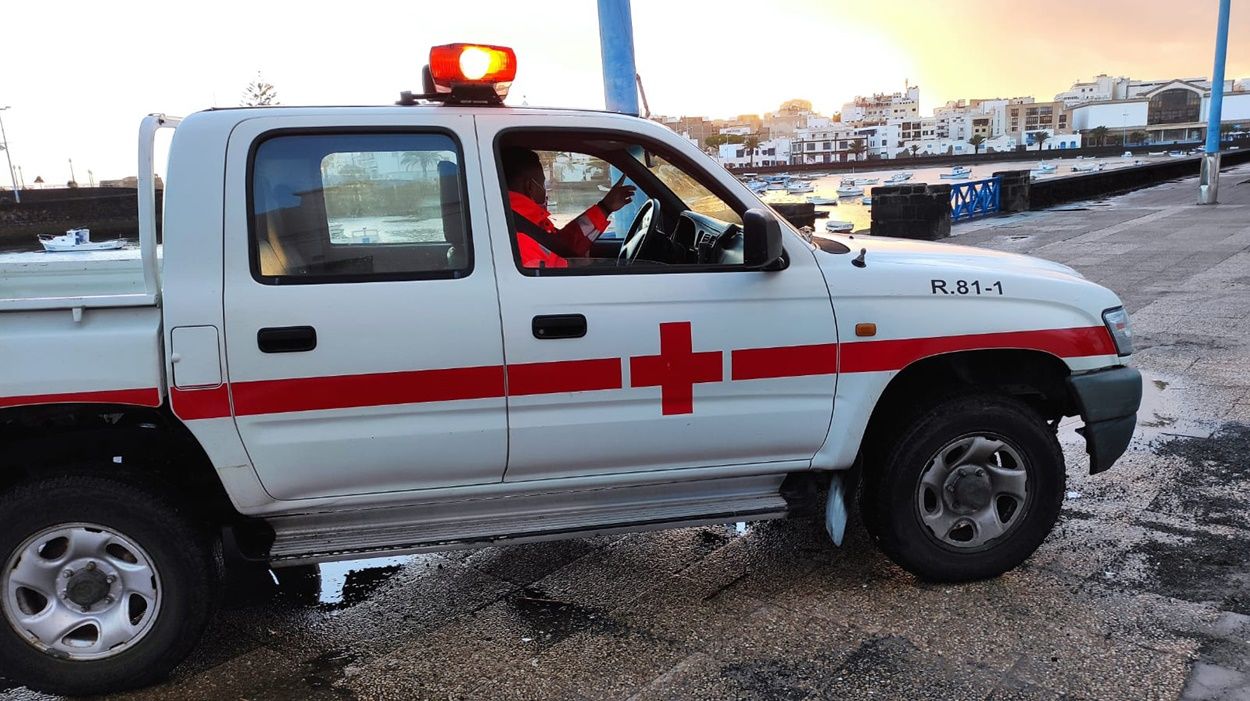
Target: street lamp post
(17, 194)
(1209, 176)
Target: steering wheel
(642, 230)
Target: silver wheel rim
(973, 491)
(81, 591)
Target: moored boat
(823, 201)
(837, 226)
(77, 240)
(849, 190)
(899, 178)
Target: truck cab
(341, 351)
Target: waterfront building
(880, 141)
(828, 145)
(1037, 116)
(771, 152)
(881, 108)
(1174, 111)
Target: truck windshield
(696, 197)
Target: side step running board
(467, 523)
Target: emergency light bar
(466, 73)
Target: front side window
(358, 207)
(593, 203)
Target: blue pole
(616, 43)
(620, 89)
(1216, 109)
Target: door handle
(286, 339)
(559, 326)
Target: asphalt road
(1141, 592)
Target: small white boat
(1156, 153)
(866, 200)
(77, 240)
(1176, 154)
(849, 190)
(800, 187)
(954, 176)
(1046, 167)
(823, 201)
(837, 226)
(899, 178)
(757, 185)
(779, 185)
(1126, 154)
(961, 169)
(1088, 168)
(867, 181)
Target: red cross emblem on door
(676, 369)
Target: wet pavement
(1141, 592)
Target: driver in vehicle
(541, 244)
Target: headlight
(1121, 332)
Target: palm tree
(914, 148)
(857, 148)
(751, 143)
(976, 141)
(1139, 137)
(1040, 137)
(411, 159)
(1098, 135)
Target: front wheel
(106, 586)
(967, 491)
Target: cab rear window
(357, 208)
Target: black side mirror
(761, 240)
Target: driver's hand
(619, 196)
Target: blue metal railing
(975, 198)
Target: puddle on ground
(1163, 412)
(349, 582)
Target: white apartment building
(772, 152)
(831, 145)
(881, 108)
(880, 141)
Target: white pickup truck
(337, 353)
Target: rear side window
(329, 208)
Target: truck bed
(78, 327)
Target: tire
(979, 511)
(100, 525)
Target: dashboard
(708, 241)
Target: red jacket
(576, 236)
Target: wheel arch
(1032, 376)
(133, 442)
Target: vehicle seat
(276, 259)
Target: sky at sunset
(80, 75)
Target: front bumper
(1108, 401)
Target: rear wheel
(968, 490)
(106, 586)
